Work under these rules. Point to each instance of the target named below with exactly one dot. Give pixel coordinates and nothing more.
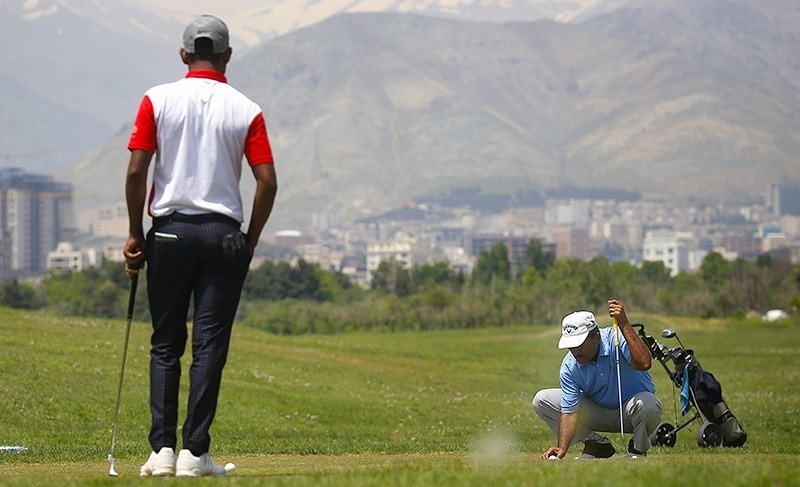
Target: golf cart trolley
(719, 425)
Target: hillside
(74, 70)
(256, 21)
(72, 73)
(369, 111)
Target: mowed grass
(416, 408)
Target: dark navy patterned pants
(185, 258)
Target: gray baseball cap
(206, 27)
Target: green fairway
(412, 408)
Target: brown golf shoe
(594, 449)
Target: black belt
(202, 218)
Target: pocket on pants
(163, 250)
(234, 250)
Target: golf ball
(229, 467)
(553, 457)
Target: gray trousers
(642, 414)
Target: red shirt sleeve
(256, 147)
(143, 134)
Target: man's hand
(134, 255)
(566, 431)
(640, 354)
(554, 451)
(617, 311)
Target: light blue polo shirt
(597, 380)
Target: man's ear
(226, 57)
(184, 56)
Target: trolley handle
(656, 349)
(648, 340)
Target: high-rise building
(35, 215)
(572, 242)
(783, 199)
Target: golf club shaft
(615, 325)
(131, 301)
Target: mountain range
(675, 99)
(256, 21)
(89, 61)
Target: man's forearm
(566, 429)
(136, 191)
(640, 354)
(263, 201)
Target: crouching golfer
(588, 400)
(199, 128)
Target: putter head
(668, 333)
(111, 471)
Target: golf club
(619, 382)
(131, 300)
(670, 333)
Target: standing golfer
(199, 128)
(588, 399)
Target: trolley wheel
(709, 434)
(664, 435)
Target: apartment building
(35, 215)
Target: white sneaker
(161, 464)
(189, 465)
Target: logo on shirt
(134, 130)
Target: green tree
(654, 272)
(272, 281)
(436, 275)
(652, 279)
(717, 273)
(626, 284)
(106, 301)
(563, 288)
(715, 270)
(597, 283)
(67, 292)
(537, 258)
(688, 295)
(492, 266)
(797, 275)
(392, 277)
(335, 286)
(16, 295)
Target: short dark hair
(204, 51)
(593, 333)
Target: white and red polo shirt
(200, 127)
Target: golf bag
(700, 392)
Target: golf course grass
(412, 408)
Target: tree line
(301, 297)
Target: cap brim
(572, 341)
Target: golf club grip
(615, 326)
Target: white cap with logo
(575, 327)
